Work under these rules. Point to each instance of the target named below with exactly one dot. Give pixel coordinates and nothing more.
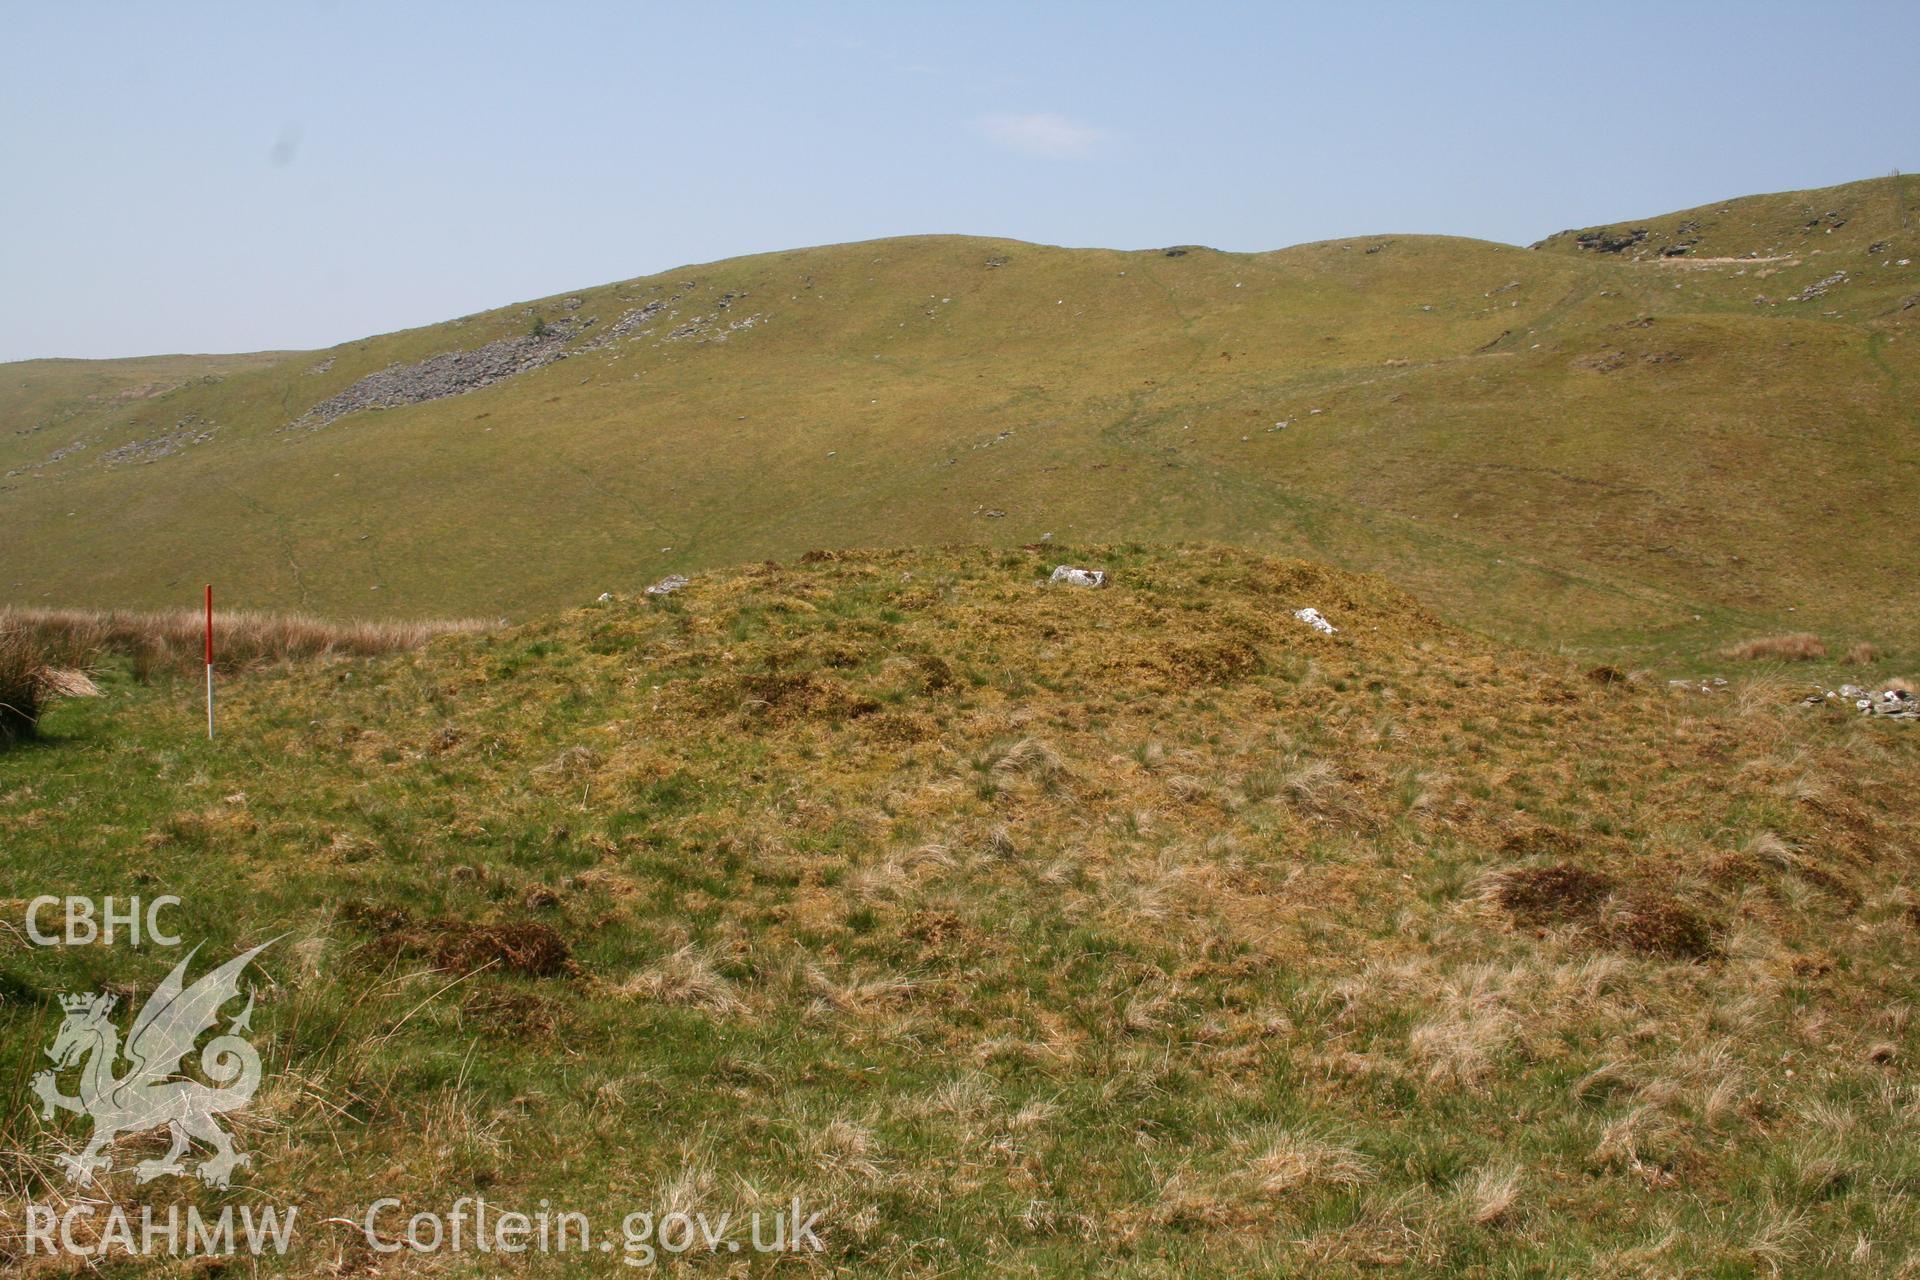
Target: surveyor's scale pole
(209, 662)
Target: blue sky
(202, 177)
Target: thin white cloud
(1041, 134)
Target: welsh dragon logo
(152, 1092)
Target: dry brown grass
(1863, 654)
(687, 977)
(1297, 1159)
(1491, 1195)
(1797, 646)
(34, 669)
(173, 641)
(20, 666)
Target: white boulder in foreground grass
(1073, 577)
(1312, 618)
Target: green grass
(1628, 459)
(1028, 930)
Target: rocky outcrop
(451, 373)
(1604, 241)
(1819, 288)
(631, 323)
(190, 430)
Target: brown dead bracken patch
(515, 1014)
(935, 673)
(1659, 926)
(1552, 894)
(516, 946)
(1538, 839)
(1642, 918)
(781, 697)
(523, 946)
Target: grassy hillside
(1026, 930)
(1626, 454)
(1875, 219)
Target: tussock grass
(1491, 1196)
(1299, 1159)
(1799, 646)
(175, 641)
(21, 665)
(687, 977)
(35, 668)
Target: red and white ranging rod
(209, 662)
